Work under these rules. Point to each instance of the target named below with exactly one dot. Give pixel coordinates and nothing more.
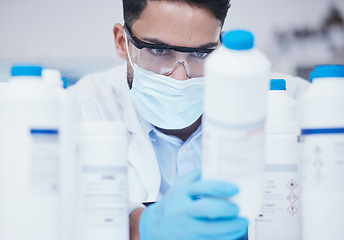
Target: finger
(235, 227)
(214, 229)
(212, 189)
(213, 208)
(240, 235)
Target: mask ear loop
(127, 46)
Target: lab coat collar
(147, 127)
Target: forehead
(177, 23)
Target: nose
(179, 73)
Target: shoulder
(98, 94)
(114, 77)
(296, 86)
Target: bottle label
(235, 154)
(104, 199)
(232, 152)
(322, 159)
(44, 159)
(322, 166)
(281, 194)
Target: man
(165, 44)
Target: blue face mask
(165, 102)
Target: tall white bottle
(322, 161)
(103, 195)
(236, 85)
(68, 159)
(280, 215)
(29, 157)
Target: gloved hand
(194, 209)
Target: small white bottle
(29, 157)
(280, 214)
(2, 85)
(236, 85)
(322, 158)
(68, 159)
(103, 195)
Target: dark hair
(132, 9)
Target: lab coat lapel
(141, 153)
(142, 157)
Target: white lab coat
(105, 96)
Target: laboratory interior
(249, 146)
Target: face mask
(165, 102)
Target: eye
(159, 51)
(200, 54)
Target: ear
(119, 37)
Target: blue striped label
(322, 131)
(45, 131)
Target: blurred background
(75, 36)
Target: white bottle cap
(52, 77)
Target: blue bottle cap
(26, 70)
(238, 40)
(325, 71)
(64, 80)
(278, 85)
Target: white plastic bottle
(103, 195)
(68, 159)
(280, 214)
(236, 85)
(322, 161)
(29, 157)
(2, 85)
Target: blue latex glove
(194, 209)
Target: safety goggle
(163, 59)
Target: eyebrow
(157, 41)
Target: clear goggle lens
(164, 61)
